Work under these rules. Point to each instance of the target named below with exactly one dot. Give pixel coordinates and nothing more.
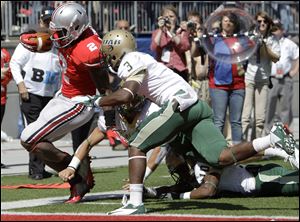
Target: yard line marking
(118, 194)
(102, 203)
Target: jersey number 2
(92, 46)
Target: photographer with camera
(197, 59)
(257, 77)
(170, 42)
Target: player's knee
(34, 147)
(24, 137)
(133, 151)
(27, 146)
(226, 157)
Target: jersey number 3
(129, 67)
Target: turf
(110, 179)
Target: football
(36, 42)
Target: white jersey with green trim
(160, 84)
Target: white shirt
(42, 70)
(160, 83)
(261, 72)
(289, 52)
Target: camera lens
(191, 25)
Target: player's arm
(126, 93)
(94, 138)
(100, 78)
(157, 155)
(19, 59)
(207, 189)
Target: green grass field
(110, 179)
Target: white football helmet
(68, 22)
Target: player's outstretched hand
(66, 174)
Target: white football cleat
(281, 138)
(294, 159)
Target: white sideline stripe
(100, 203)
(54, 200)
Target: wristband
(212, 184)
(69, 167)
(128, 90)
(74, 163)
(96, 102)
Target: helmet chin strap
(112, 70)
(116, 65)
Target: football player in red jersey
(78, 45)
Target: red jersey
(76, 61)
(5, 59)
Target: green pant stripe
(279, 179)
(150, 127)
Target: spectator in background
(5, 79)
(257, 77)
(284, 13)
(282, 75)
(37, 76)
(226, 81)
(198, 58)
(122, 24)
(170, 42)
